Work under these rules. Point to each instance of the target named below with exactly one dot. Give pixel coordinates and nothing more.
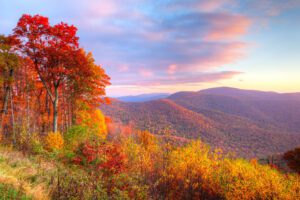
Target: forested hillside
(250, 123)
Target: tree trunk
(54, 99)
(27, 105)
(12, 118)
(55, 105)
(4, 105)
(5, 99)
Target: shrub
(74, 136)
(36, 145)
(194, 172)
(107, 157)
(77, 184)
(189, 173)
(94, 121)
(54, 141)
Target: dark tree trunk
(4, 110)
(55, 105)
(12, 118)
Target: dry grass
(30, 176)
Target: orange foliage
(145, 138)
(54, 141)
(51, 75)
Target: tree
(293, 159)
(64, 69)
(86, 84)
(8, 64)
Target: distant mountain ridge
(251, 94)
(143, 97)
(248, 122)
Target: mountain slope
(250, 123)
(162, 116)
(275, 111)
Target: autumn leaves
(57, 78)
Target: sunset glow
(169, 46)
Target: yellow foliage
(100, 124)
(54, 141)
(94, 120)
(240, 179)
(195, 172)
(144, 154)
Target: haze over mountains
(248, 122)
(143, 97)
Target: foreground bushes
(140, 166)
(196, 173)
(54, 141)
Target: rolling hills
(247, 122)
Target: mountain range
(247, 123)
(143, 97)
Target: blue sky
(172, 45)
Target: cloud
(181, 79)
(145, 73)
(201, 78)
(200, 5)
(157, 42)
(272, 7)
(208, 6)
(123, 68)
(227, 26)
(172, 69)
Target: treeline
(46, 80)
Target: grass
(9, 192)
(24, 177)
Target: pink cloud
(217, 55)
(153, 36)
(227, 26)
(145, 73)
(123, 68)
(206, 36)
(102, 8)
(172, 69)
(212, 5)
(196, 78)
(229, 54)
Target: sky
(180, 45)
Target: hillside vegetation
(250, 123)
(140, 166)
